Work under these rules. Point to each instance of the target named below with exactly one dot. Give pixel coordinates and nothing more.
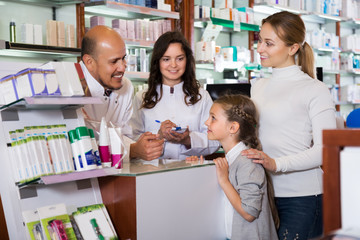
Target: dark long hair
(191, 85)
(290, 28)
(241, 109)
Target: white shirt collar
(96, 89)
(234, 152)
(178, 88)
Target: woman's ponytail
(306, 60)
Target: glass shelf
(267, 8)
(122, 10)
(142, 167)
(33, 50)
(133, 168)
(325, 49)
(130, 43)
(230, 24)
(73, 176)
(329, 71)
(137, 75)
(347, 103)
(46, 103)
(356, 51)
(229, 65)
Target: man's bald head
(96, 36)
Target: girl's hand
(222, 170)
(192, 159)
(261, 158)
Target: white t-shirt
(294, 109)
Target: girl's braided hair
(241, 109)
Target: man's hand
(148, 147)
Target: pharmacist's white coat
(117, 108)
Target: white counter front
(165, 199)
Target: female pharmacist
(294, 108)
(174, 99)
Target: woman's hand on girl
(222, 170)
(261, 158)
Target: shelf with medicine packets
(137, 75)
(44, 103)
(355, 51)
(15, 49)
(229, 65)
(72, 176)
(326, 49)
(342, 72)
(51, 3)
(228, 24)
(133, 43)
(128, 11)
(307, 16)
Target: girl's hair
(241, 109)
(191, 85)
(290, 28)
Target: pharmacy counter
(165, 199)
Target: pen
(177, 128)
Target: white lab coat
(172, 107)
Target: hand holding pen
(173, 133)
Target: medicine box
(8, 90)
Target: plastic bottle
(86, 148)
(73, 138)
(104, 144)
(116, 147)
(12, 31)
(95, 148)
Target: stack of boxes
(51, 79)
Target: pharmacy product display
(53, 222)
(46, 150)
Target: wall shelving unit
(229, 36)
(73, 189)
(116, 10)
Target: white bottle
(78, 162)
(86, 148)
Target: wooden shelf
(122, 10)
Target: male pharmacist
(103, 56)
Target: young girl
(248, 214)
